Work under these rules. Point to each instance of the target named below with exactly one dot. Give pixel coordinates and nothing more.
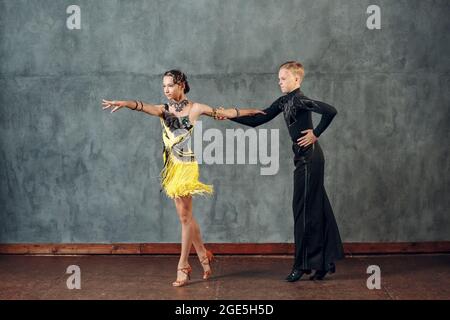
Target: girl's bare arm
(217, 113)
(151, 109)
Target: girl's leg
(184, 210)
(198, 243)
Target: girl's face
(172, 90)
(287, 80)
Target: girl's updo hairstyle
(178, 78)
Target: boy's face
(287, 80)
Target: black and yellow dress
(180, 175)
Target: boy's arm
(256, 120)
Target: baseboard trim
(351, 248)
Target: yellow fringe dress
(180, 175)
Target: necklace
(179, 106)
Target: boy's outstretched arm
(259, 119)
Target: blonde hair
(295, 67)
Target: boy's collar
(294, 92)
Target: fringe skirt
(181, 178)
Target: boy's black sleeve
(327, 111)
(254, 121)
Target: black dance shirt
(296, 108)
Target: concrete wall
(71, 172)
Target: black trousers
(317, 239)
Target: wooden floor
(425, 276)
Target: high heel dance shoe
(207, 260)
(186, 270)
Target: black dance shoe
(296, 274)
(320, 274)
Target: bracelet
(237, 112)
(135, 105)
(142, 106)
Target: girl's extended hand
(254, 112)
(116, 104)
(248, 112)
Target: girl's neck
(181, 98)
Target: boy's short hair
(295, 67)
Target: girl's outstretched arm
(228, 113)
(137, 105)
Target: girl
(180, 175)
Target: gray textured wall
(71, 172)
